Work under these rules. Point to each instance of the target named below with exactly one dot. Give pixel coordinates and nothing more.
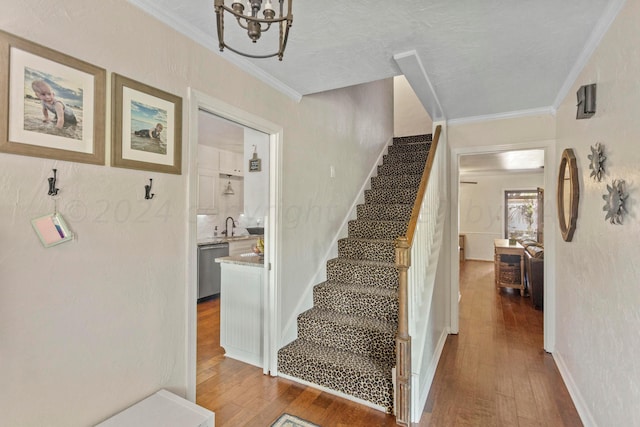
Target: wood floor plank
(493, 373)
(505, 411)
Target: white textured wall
(517, 130)
(598, 274)
(482, 208)
(256, 194)
(89, 327)
(360, 123)
(409, 116)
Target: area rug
(288, 420)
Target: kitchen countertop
(250, 260)
(222, 239)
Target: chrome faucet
(226, 226)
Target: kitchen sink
(255, 230)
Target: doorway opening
(202, 108)
(478, 199)
(232, 203)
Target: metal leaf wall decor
(615, 201)
(596, 161)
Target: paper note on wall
(51, 229)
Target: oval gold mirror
(568, 194)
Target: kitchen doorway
(200, 103)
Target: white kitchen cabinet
(243, 246)
(231, 163)
(208, 157)
(207, 191)
(241, 313)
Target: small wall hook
(147, 190)
(53, 191)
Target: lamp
(255, 25)
(228, 190)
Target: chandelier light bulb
(268, 12)
(237, 7)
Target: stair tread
(390, 205)
(379, 220)
(351, 320)
(407, 163)
(372, 290)
(367, 240)
(339, 370)
(340, 357)
(361, 262)
(410, 139)
(391, 190)
(401, 175)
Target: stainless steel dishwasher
(209, 270)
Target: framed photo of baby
(146, 127)
(55, 103)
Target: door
(541, 215)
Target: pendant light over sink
(228, 190)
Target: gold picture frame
(53, 105)
(146, 127)
(568, 194)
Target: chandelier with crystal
(249, 19)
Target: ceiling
(215, 131)
(464, 59)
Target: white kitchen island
(241, 308)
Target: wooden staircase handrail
(422, 189)
(403, 262)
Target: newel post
(403, 340)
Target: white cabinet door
(231, 163)
(238, 162)
(207, 191)
(208, 157)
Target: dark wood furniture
(534, 274)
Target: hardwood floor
(494, 373)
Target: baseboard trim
(334, 392)
(578, 400)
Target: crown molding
(501, 116)
(602, 26)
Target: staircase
(346, 342)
